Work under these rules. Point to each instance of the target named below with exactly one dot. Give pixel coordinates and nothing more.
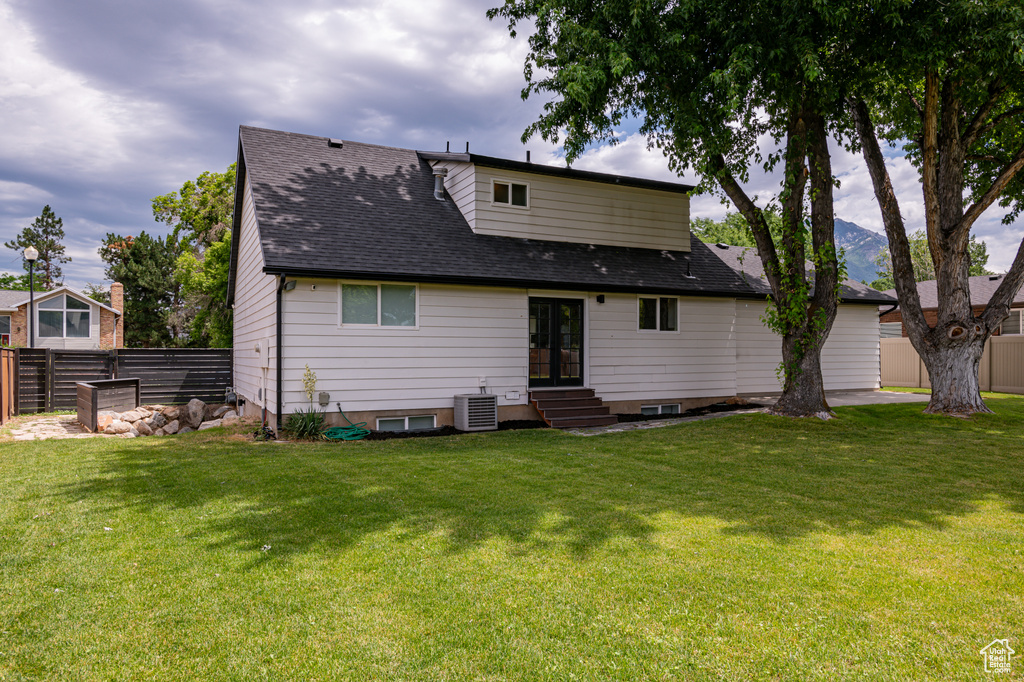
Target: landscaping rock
(195, 410)
(171, 428)
(143, 428)
(103, 420)
(130, 434)
(230, 414)
(118, 427)
(221, 411)
(186, 429)
(159, 432)
(157, 420)
(171, 412)
(134, 432)
(209, 425)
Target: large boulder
(209, 425)
(118, 427)
(143, 428)
(195, 412)
(171, 427)
(135, 415)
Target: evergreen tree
(46, 234)
(144, 265)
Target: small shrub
(306, 425)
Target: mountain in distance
(861, 247)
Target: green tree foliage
(924, 267)
(13, 282)
(201, 215)
(706, 79)
(735, 230)
(144, 265)
(97, 292)
(46, 234)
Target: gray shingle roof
(10, 298)
(982, 287)
(745, 261)
(367, 211)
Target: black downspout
(886, 312)
(280, 290)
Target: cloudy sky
(105, 104)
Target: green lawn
(882, 545)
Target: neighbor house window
(659, 314)
(406, 423)
(660, 409)
(63, 317)
(890, 330)
(511, 194)
(1012, 324)
(383, 305)
(5, 330)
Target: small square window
(659, 314)
(671, 408)
(391, 424)
(511, 194)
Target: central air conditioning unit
(476, 412)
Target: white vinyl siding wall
(572, 210)
(628, 364)
(849, 359)
(462, 334)
(254, 312)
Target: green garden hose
(350, 432)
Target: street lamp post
(31, 255)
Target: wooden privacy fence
(7, 384)
(1001, 368)
(47, 379)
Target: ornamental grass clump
(307, 425)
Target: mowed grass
(883, 545)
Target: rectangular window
(5, 324)
(385, 305)
(510, 194)
(659, 314)
(672, 408)
(1011, 325)
(63, 316)
(417, 423)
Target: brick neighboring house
(65, 318)
(982, 287)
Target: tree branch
(995, 189)
(999, 119)
(995, 91)
(899, 245)
(826, 260)
(999, 305)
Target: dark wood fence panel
(7, 384)
(47, 379)
(176, 375)
(71, 366)
(31, 380)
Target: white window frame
(406, 419)
(377, 325)
(509, 204)
(657, 315)
(64, 317)
(661, 407)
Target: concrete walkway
(27, 427)
(835, 399)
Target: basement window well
(417, 423)
(510, 194)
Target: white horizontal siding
(254, 311)
(462, 334)
(573, 210)
(849, 359)
(461, 186)
(628, 364)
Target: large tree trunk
(803, 394)
(953, 371)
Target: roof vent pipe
(439, 176)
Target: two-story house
(403, 278)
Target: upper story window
(510, 194)
(63, 317)
(659, 314)
(381, 305)
(5, 330)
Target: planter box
(114, 395)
